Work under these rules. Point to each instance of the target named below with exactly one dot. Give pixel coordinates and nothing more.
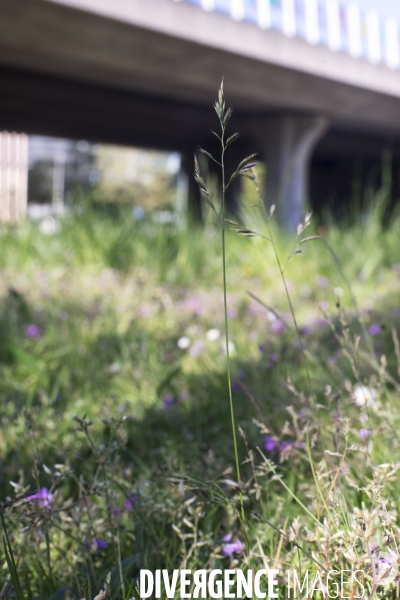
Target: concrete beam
(178, 51)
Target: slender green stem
(228, 362)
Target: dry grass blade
(245, 232)
(205, 194)
(308, 239)
(246, 165)
(272, 310)
(231, 139)
(210, 156)
(247, 162)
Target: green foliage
(115, 440)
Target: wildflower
(374, 329)
(236, 387)
(213, 334)
(33, 331)
(197, 348)
(130, 501)
(261, 348)
(100, 544)
(324, 305)
(277, 326)
(338, 291)
(236, 546)
(291, 444)
(386, 568)
(227, 537)
(307, 330)
(364, 433)
(365, 396)
(271, 443)
(273, 357)
(184, 343)
(44, 497)
(286, 445)
(321, 323)
(113, 369)
(322, 282)
(231, 348)
(168, 401)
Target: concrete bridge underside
(146, 74)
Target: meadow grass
(116, 428)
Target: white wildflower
(184, 343)
(213, 334)
(365, 396)
(338, 291)
(48, 226)
(231, 348)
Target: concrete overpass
(145, 73)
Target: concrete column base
(286, 148)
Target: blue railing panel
(340, 27)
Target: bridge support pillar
(288, 142)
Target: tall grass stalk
(224, 114)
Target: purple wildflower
(322, 282)
(130, 501)
(271, 443)
(100, 544)
(261, 348)
(324, 305)
(374, 329)
(287, 444)
(197, 348)
(277, 326)
(168, 401)
(307, 330)
(44, 497)
(273, 357)
(236, 546)
(385, 567)
(364, 433)
(236, 387)
(227, 537)
(33, 330)
(115, 510)
(322, 323)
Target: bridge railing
(340, 27)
